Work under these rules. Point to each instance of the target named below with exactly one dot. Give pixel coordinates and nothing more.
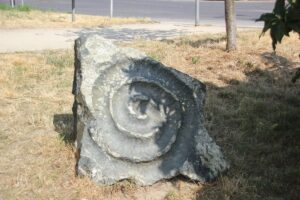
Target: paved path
(15, 40)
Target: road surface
(211, 12)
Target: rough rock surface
(138, 119)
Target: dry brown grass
(45, 19)
(35, 161)
(252, 111)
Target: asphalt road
(211, 12)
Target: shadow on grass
(195, 43)
(203, 42)
(277, 61)
(257, 124)
(127, 34)
(63, 124)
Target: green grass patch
(5, 7)
(24, 8)
(59, 61)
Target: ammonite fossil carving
(136, 118)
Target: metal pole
(73, 10)
(111, 8)
(197, 16)
(12, 3)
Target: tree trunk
(230, 19)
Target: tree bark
(230, 19)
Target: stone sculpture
(138, 119)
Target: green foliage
(4, 6)
(24, 8)
(195, 59)
(284, 19)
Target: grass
(24, 8)
(172, 195)
(252, 111)
(27, 17)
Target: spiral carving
(142, 115)
(136, 118)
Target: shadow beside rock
(63, 124)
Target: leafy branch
(284, 19)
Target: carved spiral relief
(136, 118)
(142, 111)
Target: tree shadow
(277, 60)
(63, 124)
(127, 34)
(203, 42)
(256, 123)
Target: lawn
(27, 17)
(252, 111)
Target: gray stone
(138, 119)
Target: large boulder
(138, 119)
